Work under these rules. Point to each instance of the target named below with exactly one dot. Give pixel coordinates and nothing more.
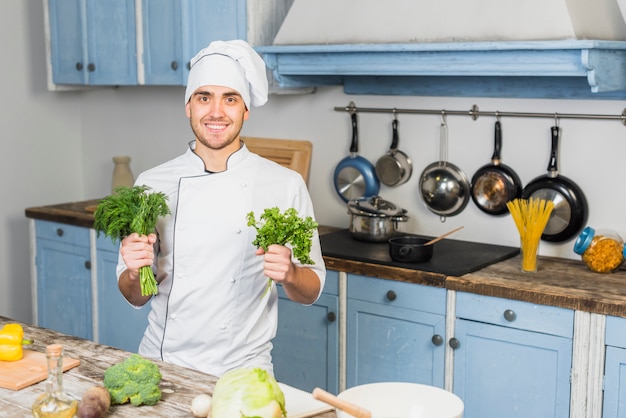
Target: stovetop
(450, 257)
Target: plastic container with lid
(601, 250)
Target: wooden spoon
(440, 237)
(347, 407)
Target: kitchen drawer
(615, 331)
(62, 232)
(515, 314)
(398, 294)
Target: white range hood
(492, 48)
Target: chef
(211, 312)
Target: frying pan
(355, 177)
(444, 187)
(495, 184)
(570, 205)
(395, 167)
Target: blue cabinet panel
(507, 372)
(112, 45)
(93, 42)
(119, 324)
(614, 405)
(66, 20)
(63, 266)
(516, 314)
(513, 358)
(174, 31)
(392, 332)
(162, 42)
(306, 346)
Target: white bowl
(403, 400)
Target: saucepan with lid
(374, 219)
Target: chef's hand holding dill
(132, 210)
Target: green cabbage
(248, 393)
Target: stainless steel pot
(445, 188)
(374, 219)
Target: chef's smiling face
(216, 115)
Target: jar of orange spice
(601, 250)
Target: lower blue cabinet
(512, 359)
(63, 269)
(395, 332)
(66, 296)
(119, 324)
(306, 346)
(614, 405)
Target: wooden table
(179, 385)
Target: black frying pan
(495, 184)
(355, 177)
(570, 211)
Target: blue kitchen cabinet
(306, 346)
(63, 268)
(395, 332)
(614, 404)
(92, 42)
(511, 358)
(76, 299)
(174, 31)
(119, 324)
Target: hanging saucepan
(395, 167)
(445, 188)
(495, 184)
(355, 177)
(570, 211)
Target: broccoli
(135, 379)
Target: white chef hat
(232, 64)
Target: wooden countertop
(179, 385)
(558, 282)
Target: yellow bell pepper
(11, 341)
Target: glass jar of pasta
(601, 250)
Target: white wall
(57, 147)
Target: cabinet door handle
(91, 67)
(454, 343)
(88, 265)
(331, 317)
(510, 315)
(79, 66)
(437, 339)
(391, 295)
(174, 65)
(60, 232)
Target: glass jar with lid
(601, 250)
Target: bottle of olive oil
(54, 402)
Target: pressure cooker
(374, 219)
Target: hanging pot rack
(474, 113)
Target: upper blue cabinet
(92, 42)
(135, 42)
(174, 31)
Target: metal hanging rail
(474, 113)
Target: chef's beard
(205, 141)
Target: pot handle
(553, 170)
(354, 145)
(395, 139)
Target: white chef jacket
(209, 313)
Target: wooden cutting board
(29, 370)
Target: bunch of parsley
(274, 227)
(129, 210)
